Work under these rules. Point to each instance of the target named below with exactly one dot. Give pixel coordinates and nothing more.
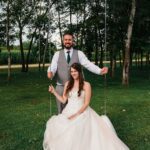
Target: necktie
(68, 57)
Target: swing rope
(50, 102)
(50, 57)
(105, 51)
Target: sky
(55, 37)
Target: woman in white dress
(79, 127)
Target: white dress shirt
(82, 59)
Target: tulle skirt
(88, 131)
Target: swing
(105, 50)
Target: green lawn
(25, 104)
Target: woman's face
(74, 73)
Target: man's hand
(49, 75)
(104, 70)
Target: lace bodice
(73, 96)
(75, 102)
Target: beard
(68, 46)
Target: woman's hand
(51, 89)
(72, 116)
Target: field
(25, 107)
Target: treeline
(126, 24)
(16, 57)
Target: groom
(61, 62)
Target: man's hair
(68, 33)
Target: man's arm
(53, 66)
(90, 66)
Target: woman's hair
(78, 68)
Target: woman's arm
(62, 98)
(87, 88)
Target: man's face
(68, 41)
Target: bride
(79, 127)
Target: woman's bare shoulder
(87, 85)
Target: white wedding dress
(88, 131)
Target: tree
(125, 77)
(7, 32)
(22, 13)
(8, 38)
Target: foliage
(16, 58)
(38, 20)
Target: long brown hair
(78, 68)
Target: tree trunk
(45, 49)
(113, 68)
(29, 49)
(112, 62)
(135, 58)
(125, 77)
(77, 44)
(39, 47)
(21, 48)
(8, 39)
(141, 57)
(59, 26)
(96, 46)
(147, 59)
(138, 59)
(70, 15)
(88, 45)
(120, 58)
(101, 50)
(83, 26)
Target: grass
(25, 108)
